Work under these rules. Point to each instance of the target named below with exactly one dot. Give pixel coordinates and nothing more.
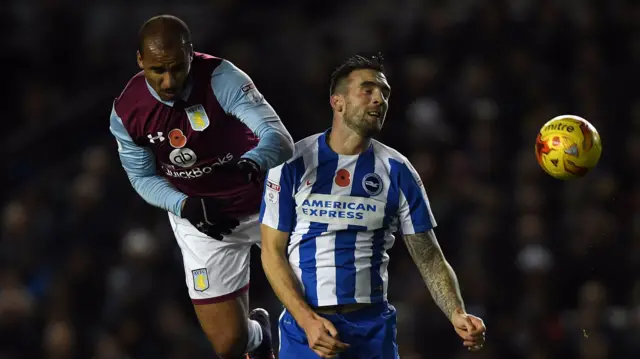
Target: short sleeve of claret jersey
(414, 210)
(278, 203)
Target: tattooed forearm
(435, 270)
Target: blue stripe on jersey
(418, 207)
(377, 247)
(286, 208)
(327, 166)
(345, 254)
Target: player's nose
(377, 98)
(168, 80)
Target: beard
(364, 125)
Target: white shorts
(216, 270)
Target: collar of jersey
(324, 145)
(184, 95)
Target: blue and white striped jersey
(342, 212)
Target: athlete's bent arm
(417, 222)
(238, 96)
(436, 272)
(277, 221)
(280, 276)
(139, 164)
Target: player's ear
(337, 102)
(139, 59)
(190, 49)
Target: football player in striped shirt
(327, 220)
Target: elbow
(268, 254)
(273, 245)
(139, 182)
(283, 149)
(267, 258)
(271, 255)
(286, 146)
(287, 149)
(134, 180)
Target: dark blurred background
(88, 270)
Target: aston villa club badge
(197, 117)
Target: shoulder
(226, 74)
(206, 63)
(295, 167)
(304, 147)
(301, 149)
(389, 154)
(398, 165)
(135, 106)
(215, 66)
(134, 94)
(226, 80)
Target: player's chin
(168, 95)
(373, 126)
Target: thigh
(225, 323)
(385, 336)
(372, 333)
(215, 271)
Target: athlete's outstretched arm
(436, 272)
(238, 96)
(139, 164)
(279, 273)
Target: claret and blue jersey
(341, 212)
(170, 149)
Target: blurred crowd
(88, 270)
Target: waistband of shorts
(351, 308)
(244, 219)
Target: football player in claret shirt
(195, 137)
(328, 219)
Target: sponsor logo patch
(272, 185)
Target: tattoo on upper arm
(434, 269)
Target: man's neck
(345, 141)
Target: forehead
(367, 75)
(160, 50)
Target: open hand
(470, 328)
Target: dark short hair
(356, 62)
(166, 26)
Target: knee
(229, 344)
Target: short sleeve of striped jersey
(414, 211)
(278, 204)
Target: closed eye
(370, 86)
